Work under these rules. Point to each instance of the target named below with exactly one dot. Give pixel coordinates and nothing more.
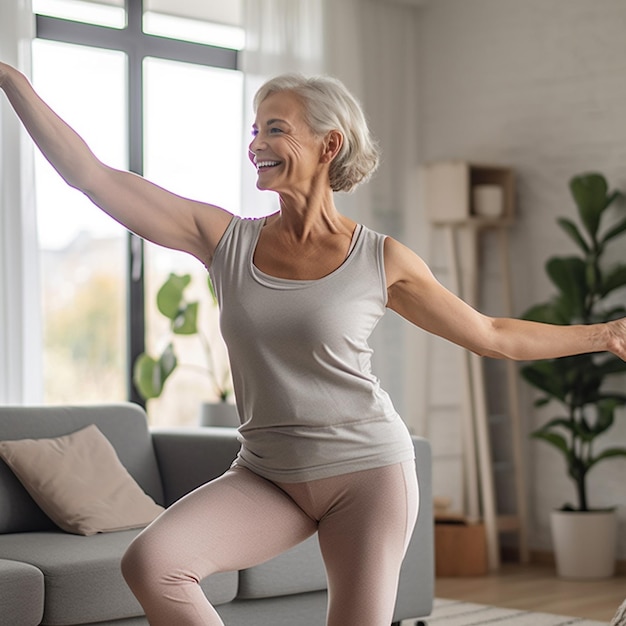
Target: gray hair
(330, 106)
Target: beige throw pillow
(79, 482)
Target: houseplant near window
(587, 292)
(151, 373)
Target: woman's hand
(617, 337)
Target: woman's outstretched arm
(415, 294)
(144, 208)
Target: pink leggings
(364, 521)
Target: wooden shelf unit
(448, 191)
(447, 188)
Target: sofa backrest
(124, 425)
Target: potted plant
(151, 373)
(586, 287)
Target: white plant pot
(219, 414)
(584, 543)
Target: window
(145, 102)
(185, 152)
(82, 250)
(102, 12)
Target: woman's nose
(254, 147)
(254, 144)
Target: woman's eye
(275, 130)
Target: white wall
(539, 85)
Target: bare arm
(146, 209)
(416, 295)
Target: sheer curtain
(20, 324)
(371, 45)
(281, 36)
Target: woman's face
(284, 150)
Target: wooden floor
(536, 588)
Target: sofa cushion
(124, 425)
(298, 570)
(79, 482)
(21, 593)
(83, 581)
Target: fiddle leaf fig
(613, 279)
(549, 312)
(616, 231)
(610, 453)
(552, 438)
(572, 230)
(576, 383)
(590, 195)
(569, 276)
(545, 376)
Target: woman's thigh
(364, 535)
(233, 522)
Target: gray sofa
(48, 576)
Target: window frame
(137, 45)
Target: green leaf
(545, 375)
(590, 194)
(170, 296)
(572, 230)
(569, 275)
(611, 364)
(542, 401)
(167, 362)
(611, 314)
(614, 232)
(149, 374)
(186, 322)
(548, 313)
(613, 196)
(614, 279)
(143, 376)
(212, 290)
(556, 423)
(610, 453)
(605, 417)
(554, 440)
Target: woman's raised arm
(146, 209)
(415, 294)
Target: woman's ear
(332, 144)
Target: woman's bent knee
(136, 563)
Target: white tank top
(309, 404)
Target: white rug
(457, 613)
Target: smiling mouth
(265, 165)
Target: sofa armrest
(190, 457)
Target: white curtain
(281, 36)
(371, 45)
(20, 318)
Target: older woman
(323, 449)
